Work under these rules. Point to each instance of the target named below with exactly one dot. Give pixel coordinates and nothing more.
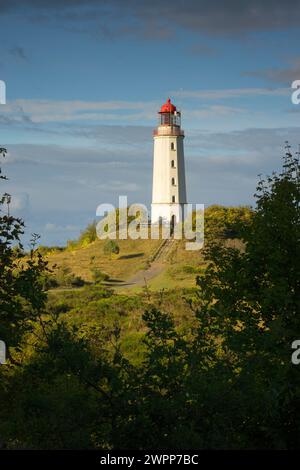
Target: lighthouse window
(173, 181)
(172, 146)
(173, 198)
(173, 163)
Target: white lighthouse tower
(169, 188)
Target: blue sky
(86, 79)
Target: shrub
(111, 247)
(225, 222)
(98, 276)
(65, 278)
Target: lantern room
(168, 115)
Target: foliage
(98, 276)
(65, 278)
(115, 218)
(61, 276)
(253, 300)
(21, 295)
(49, 250)
(87, 236)
(225, 221)
(111, 247)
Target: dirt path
(157, 265)
(142, 277)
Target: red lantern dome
(168, 107)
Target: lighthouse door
(173, 223)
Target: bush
(86, 237)
(225, 222)
(76, 281)
(65, 278)
(111, 247)
(47, 250)
(49, 281)
(98, 276)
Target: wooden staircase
(163, 250)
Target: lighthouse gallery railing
(168, 130)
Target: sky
(85, 80)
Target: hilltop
(134, 264)
(157, 263)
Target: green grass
(133, 256)
(178, 268)
(95, 312)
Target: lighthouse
(169, 188)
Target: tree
(88, 235)
(22, 298)
(225, 222)
(21, 295)
(251, 299)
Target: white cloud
(231, 93)
(26, 111)
(42, 111)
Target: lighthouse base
(167, 214)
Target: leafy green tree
(22, 298)
(88, 235)
(47, 405)
(225, 222)
(252, 299)
(21, 295)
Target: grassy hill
(143, 273)
(170, 272)
(157, 264)
(136, 259)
